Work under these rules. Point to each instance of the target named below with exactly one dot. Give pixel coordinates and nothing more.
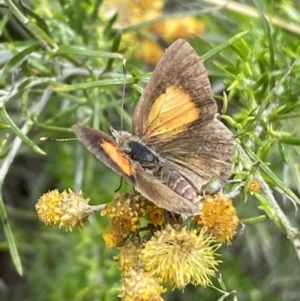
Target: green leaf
(70, 50)
(88, 85)
(19, 133)
(289, 140)
(224, 45)
(17, 60)
(10, 239)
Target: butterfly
(177, 145)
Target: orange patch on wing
(171, 113)
(118, 157)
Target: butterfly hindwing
(202, 152)
(164, 197)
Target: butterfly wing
(202, 152)
(177, 95)
(109, 152)
(164, 197)
(176, 117)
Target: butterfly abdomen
(161, 170)
(175, 181)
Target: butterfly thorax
(136, 149)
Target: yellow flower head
(128, 258)
(138, 285)
(173, 29)
(155, 215)
(113, 238)
(219, 217)
(254, 186)
(128, 204)
(149, 51)
(125, 213)
(66, 208)
(131, 11)
(125, 206)
(180, 256)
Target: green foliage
(62, 63)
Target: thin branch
(292, 232)
(252, 12)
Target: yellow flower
(219, 217)
(131, 12)
(125, 205)
(254, 186)
(149, 51)
(174, 29)
(128, 258)
(66, 208)
(125, 213)
(138, 285)
(113, 238)
(155, 215)
(180, 256)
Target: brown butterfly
(176, 144)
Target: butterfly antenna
(123, 92)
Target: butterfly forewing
(177, 95)
(106, 149)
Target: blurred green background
(61, 64)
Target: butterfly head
(120, 136)
(125, 140)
